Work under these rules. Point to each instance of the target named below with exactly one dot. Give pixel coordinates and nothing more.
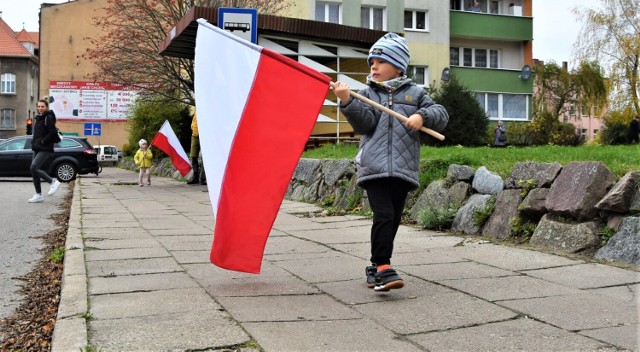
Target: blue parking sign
(92, 129)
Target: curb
(70, 331)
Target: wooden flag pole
(392, 113)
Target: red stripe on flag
(163, 144)
(275, 126)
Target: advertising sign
(90, 100)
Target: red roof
(9, 43)
(28, 37)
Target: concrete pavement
(138, 278)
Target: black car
(72, 156)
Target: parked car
(107, 154)
(73, 156)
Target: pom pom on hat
(393, 49)
(141, 142)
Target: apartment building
(18, 79)
(491, 54)
(488, 47)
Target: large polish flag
(256, 110)
(167, 141)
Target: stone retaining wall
(572, 207)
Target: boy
(389, 154)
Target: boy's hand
(414, 122)
(342, 91)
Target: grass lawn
(619, 159)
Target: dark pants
(387, 197)
(39, 158)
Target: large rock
(336, 176)
(463, 221)
(305, 181)
(619, 198)
(460, 173)
(437, 195)
(350, 197)
(634, 208)
(578, 189)
(533, 205)
(506, 208)
(542, 174)
(334, 170)
(625, 245)
(570, 238)
(487, 182)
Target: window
(486, 58)
(29, 46)
(455, 5)
(419, 75)
(328, 12)
(467, 57)
(504, 106)
(372, 18)
(7, 119)
(454, 56)
(494, 7)
(416, 20)
(8, 83)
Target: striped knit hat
(393, 49)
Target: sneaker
(37, 198)
(54, 187)
(370, 272)
(140, 185)
(386, 280)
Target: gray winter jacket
(387, 147)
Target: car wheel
(66, 172)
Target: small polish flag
(167, 141)
(256, 110)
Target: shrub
(521, 229)
(436, 218)
(564, 134)
(468, 121)
(481, 215)
(146, 118)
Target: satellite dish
(445, 74)
(525, 73)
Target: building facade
(18, 79)
(491, 54)
(488, 49)
(63, 41)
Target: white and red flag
(256, 110)
(167, 141)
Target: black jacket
(44, 132)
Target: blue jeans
(39, 158)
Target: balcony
(493, 80)
(466, 24)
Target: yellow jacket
(143, 158)
(194, 125)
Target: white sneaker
(54, 187)
(37, 198)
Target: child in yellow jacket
(143, 160)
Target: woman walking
(45, 135)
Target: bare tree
(132, 30)
(611, 36)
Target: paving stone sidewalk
(138, 278)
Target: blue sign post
(92, 129)
(241, 22)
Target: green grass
(619, 159)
